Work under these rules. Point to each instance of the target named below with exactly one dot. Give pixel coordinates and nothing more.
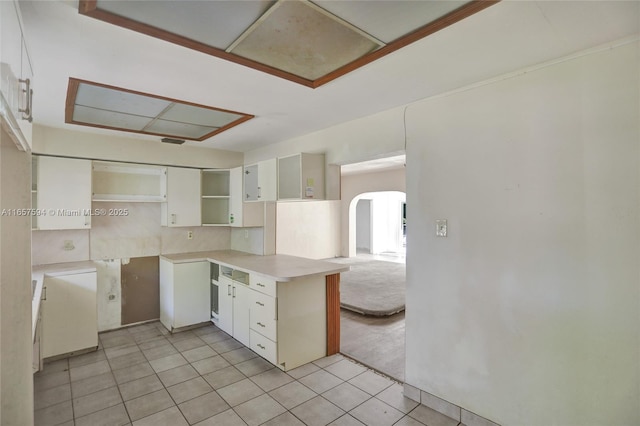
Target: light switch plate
(441, 228)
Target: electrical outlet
(68, 245)
(441, 228)
(190, 235)
(246, 234)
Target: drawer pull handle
(261, 347)
(260, 285)
(261, 324)
(258, 303)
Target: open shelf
(129, 182)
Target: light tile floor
(143, 375)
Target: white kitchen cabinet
(184, 293)
(288, 320)
(69, 314)
(16, 71)
(36, 363)
(63, 193)
(234, 295)
(242, 214)
(301, 177)
(183, 198)
(215, 197)
(129, 182)
(225, 305)
(260, 181)
(284, 322)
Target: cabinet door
(267, 180)
(69, 314)
(183, 198)
(225, 305)
(11, 48)
(241, 322)
(251, 183)
(191, 293)
(64, 193)
(236, 217)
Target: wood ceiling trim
(72, 91)
(90, 8)
(457, 15)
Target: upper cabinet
(183, 198)
(16, 72)
(260, 181)
(242, 214)
(62, 191)
(215, 197)
(129, 182)
(301, 177)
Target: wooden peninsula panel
(333, 314)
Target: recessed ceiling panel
(214, 23)
(304, 41)
(310, 43)
(100, 105)
(389, 20)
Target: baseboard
(453, 411)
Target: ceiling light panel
(183, 130)
(99, 105)
(304, 41)
(101, 117)
(214, 23)
(117, 100)
(389, 20)
(199, 116)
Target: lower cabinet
(184, 293)
(284, 322)
(69, 314)
(234, 309)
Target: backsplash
(59, 246)
(134, 233)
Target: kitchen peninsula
(285, 308)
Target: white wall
(62, 142)
(16, 384)
(376, 136)
(308, 229)
(528, 312)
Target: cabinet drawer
(262, 284)
(263, 314)
(264, 347)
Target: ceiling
(502, 38)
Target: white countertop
(280, 267)
(38, 273)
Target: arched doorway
(378, 220)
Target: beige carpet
(372, 287)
